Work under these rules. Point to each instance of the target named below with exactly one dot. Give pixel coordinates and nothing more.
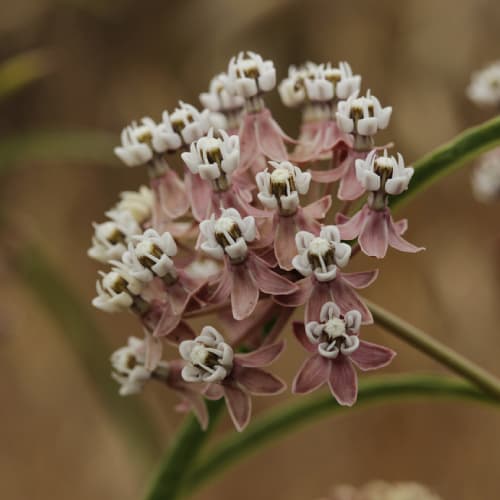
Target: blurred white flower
(484, 88)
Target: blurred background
(84, 68)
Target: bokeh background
(101, 63)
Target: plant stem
(176, 464)
(446, 158)
(436, 350)
(283, 420)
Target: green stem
(282, 421)
(176, 464)
(448, 157)
(436, 350)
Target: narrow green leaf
(22, 69)
(46, 283)
(290, 416)
(450, 156)
(57, 147)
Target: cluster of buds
(237, 229)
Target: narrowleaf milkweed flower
(211, 361)
(261, 138)
(335, 346)
(150, 258)
(132, 371)
(279, 191)
(219, 99)
(373, 225)
(317, 89)
(362, 117)
(319, 259)
(244, 274)
(484, 88)
(486, 177)
(215, 160)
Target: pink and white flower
(319, 260)
(335, 348)
(210, 360)
(215, 160)
(244, 274)
(279, 191)
(373, 224)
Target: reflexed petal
(200, 195)
(321, 294)
(154, 351)
(284, 241)
(298, 298)
(261, 357)
(350, 229)
(299, 331)
(370, 356)
(168, 322)
(374, 237)
(171, 193)
(198, 406)
(182, 332)
(347, 299)
(350, 188)
(343, 381)
(270, 137)
(239, 406)
(268, 281)
(214, 392)
(330, 175)
(319, 208)
(360, 279)
(244, 292)
(258, 381)
(311, 375)
(399, 243)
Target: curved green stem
(446, 158)
(280, 422)
(175, 466)
(436, 350)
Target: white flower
(486, 177)
(362, 115)
(320, 255)
(249, 75)
(138, 203)
(484, 88)
(136, 143)
(332, 334)
(209, 358)
(384, 172)
(110, 238)
(291, 89)
(151, 256)
(116, 289)
(129, 366)
(180, 128)
(219, 97)
(281, 188)
(210, 157)
(228, 234)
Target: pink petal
(178, 297)
(269, 139)
(374, 237)
(350, 229)
(399, 243)
(154, 351)
(214, 392)
(171, 192)
(321, 294)
(350, 188)
(330, 175)
(299, 331)
(360, 279)
(284, 241)
(347, 299)
(401, 226)
(197, 404)
(319, 208)
(258, 381)
(168, 322)
(182, 332)
(310, 143)
(200, 195)
(306, 222)
(223, 289)
(370, 356)
(298, 298)
(249, 149)
(343, 381)
(311, 375)
(239, 406)
(268, 281)
(244, 292)
(261, 357)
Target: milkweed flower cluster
(232, 226)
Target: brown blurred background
(112, 61)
